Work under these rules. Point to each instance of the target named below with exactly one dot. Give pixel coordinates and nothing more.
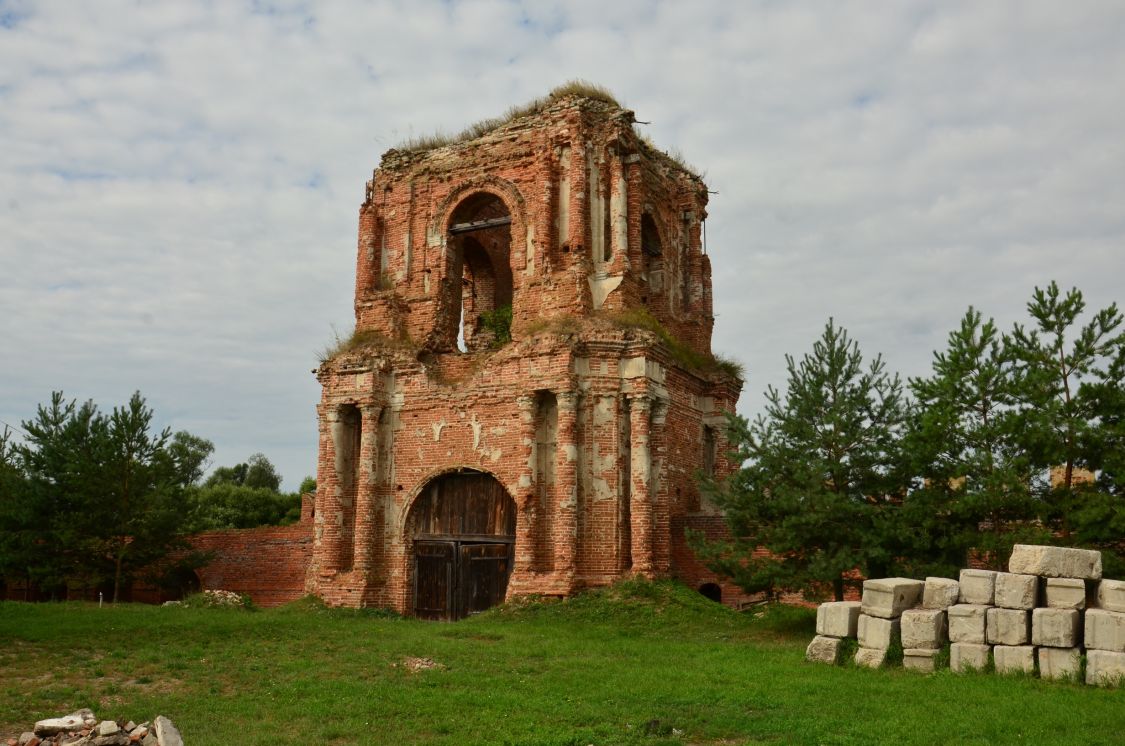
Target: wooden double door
(464, 535)
(453, 579)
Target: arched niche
(652, 256)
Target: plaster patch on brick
(476, 425)
(601, 288)
(633, 367)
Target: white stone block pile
(1050, 608)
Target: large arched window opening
(480, 242)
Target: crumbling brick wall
(597, 415)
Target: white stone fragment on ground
(1105, 668)
(940, 593)
(1105, 630)
(920, 659)
(968, 656)
(1056, 562)
(967, 623)
(977, 587)
(824, 649)
(1065, 593)
(1111, 595)
(107, 728)
(923, 628)
(1014, 658)
(889, 597)
(76, 720)
(1016, 591)
(166, 733)
(1059, 663)
(837, 618)
(1006, 626)
(877, 633)
(870, 657)
(1055, 628)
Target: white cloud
(179, 182)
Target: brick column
(640, 470)
(618, 214)
(661, 500)
(329, 511)
(566, 485)
(526, 514)
(365, 490)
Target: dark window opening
(652, 254)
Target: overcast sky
(179, 181)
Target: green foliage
(555, 673)
(245, 495)
(977, 492)
(1058, 417)
(227, 505)
(640, 317)
(103, 491)
(258, 472)
(192, 455)
(844, 475)
(823, 477)
(499, 322)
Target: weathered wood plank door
(484, 575)
(464, 534)
(433, 578)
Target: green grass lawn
(637, 664)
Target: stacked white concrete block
(1034, 616)
(880, 623)
(835, 622)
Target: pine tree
(1057, 415)
(975, 494)
(823, 476)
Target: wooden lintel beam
(479, 225)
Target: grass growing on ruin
(359, 339)
(641, 318)
(575, 87)
(637, 664)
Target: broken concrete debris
(82, 728)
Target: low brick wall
(268, 564)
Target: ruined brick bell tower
(530, 393)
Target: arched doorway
(463, 529)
